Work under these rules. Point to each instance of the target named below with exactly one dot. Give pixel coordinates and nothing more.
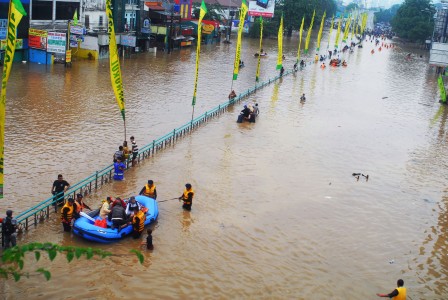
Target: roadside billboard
(264, 8)
(37, 39)
(128, 40)
(56, 42)
(3, 29)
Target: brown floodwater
(277, 212)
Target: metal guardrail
(40, 212)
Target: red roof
(154, 5)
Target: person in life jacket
(398, 294)
(149, 190)
(138, 223)
(132, 206)
(9, 226)
(67, 214)
(187, 197)
(79, 206)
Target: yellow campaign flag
(15, 14)
(300, 38)
(442, 88)
(353, 28)
(114, 62)
(338, 33)
(331, 30)
(257, 76)
(319, 35)
(347, 29)
(280, 45)
(308, 35)
(75, 17)
(236, 64)
(202, 13)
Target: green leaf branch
(13, 259)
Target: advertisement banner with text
(263, 8)
(37, 39)
(56, 42)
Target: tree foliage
(351, 6)
(386, 15)
(13, 259)
(414, 21)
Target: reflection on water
(277, 213)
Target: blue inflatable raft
(85, 228)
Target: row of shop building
(50, 32)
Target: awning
(179, 37)
(157, 6)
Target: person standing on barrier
(134, 150)
(149, 190)
(187, 197)
(67, 212)
(9, 227)
(60, 186)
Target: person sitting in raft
(344, 63)
(241, 63)
(138, 223)
(303, 98)
(119, 168)
(118, 201)
(323, 66)
(246, 112)
(232, 94)
(105, 208)
(118, 217)
(149, 190)
(132, 206)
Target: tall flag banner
(353, 27)
(75, 17)
(15, 14)
(347, 29)
(442, 88)
(331, 30)
(319, 35)
(338, 33)
(300, 39)
(236, 64)
(308, 34)
(257, 76)
(280, 45)
(114, 62)
(364, 22)
(202, 13)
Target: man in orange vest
(149, 190)
(187, 197)
(67, 214)
(398, 294)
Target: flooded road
(277, 212)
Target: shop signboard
(264, 8)
(128, 40)
(19, 44)
(78, 30)
(37, 39)
(3, 25)
(146, 26)
(56, 42)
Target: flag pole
(124, 123)
(192, 114)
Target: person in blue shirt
(119, 168)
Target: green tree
(351, 6)
(413, 20)
(214, 12)
(13, 259)
(386, 15)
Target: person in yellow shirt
(105, 208)
(398, 294)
